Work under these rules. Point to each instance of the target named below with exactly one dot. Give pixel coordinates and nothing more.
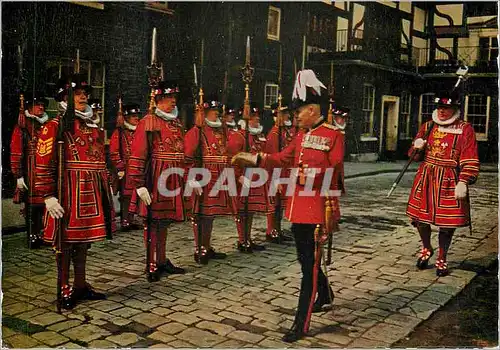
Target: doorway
(389, 127)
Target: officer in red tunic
(86, 210)
(273, 145)
(439, 195)
(158, 145)
(210, 153)
(119, 153)
(258, 197)
(32, 118)
(314, 152)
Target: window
(273, 23)
(270, 95)
(368, 107)
(64, 67)
(405, 108)
(427, 106)
(488, 49)
(477, 113)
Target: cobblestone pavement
(249, 300)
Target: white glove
(195, 185)
(419, 143)
(461, 190)
(121, 174)
(21, 184)
(144, 195)
(244, 181)
(54, 208)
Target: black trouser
(304, 242)
(34, 219)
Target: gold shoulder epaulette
(329, 126)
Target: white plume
(306, 78)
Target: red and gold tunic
(87, 200)
(148, 161)
(120, 161)
(322, 148)
(215, 159)
(22, 161)
(273, 146)
(450, 156)
(258, 197)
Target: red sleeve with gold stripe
(136, 167)
(469, 160)
(16, 152)
(114, 151)
(46, 160)
(283, 158)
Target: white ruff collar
(287, 123)
(340, 127)
(255, 131)
(231, 124)
(41, 120)
(167, 116)
(129, 126)
(88, 116)
(215, 124)
(436, 120)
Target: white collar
(255, 131)
(88, 116)
(41, 120)
(287, 123)
(129, 126)
(231, 124)
(340, 127)
(450, 121)
(215, 124)
(167, 116)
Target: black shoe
(295, 333)
(153, 276)
(201, 258)
(134, 227)
(170, 268)
(441, 268)
(88, 293)
(68, 302)
(245, 247)
(274, 237)
(212, 254)
(35, 241)
(323, 304)
(126, 226)
(423, 259)
(68, 298)
(258, 247)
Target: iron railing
(466, 55)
